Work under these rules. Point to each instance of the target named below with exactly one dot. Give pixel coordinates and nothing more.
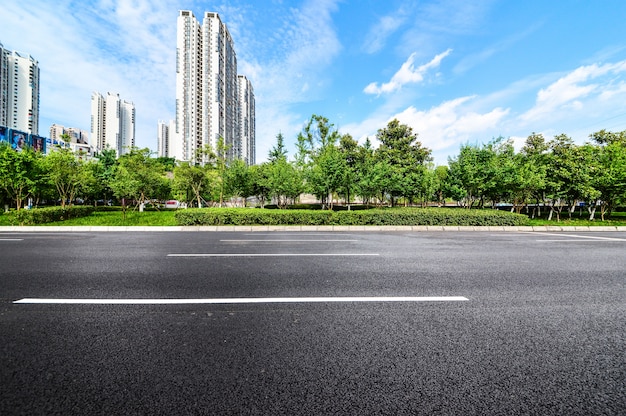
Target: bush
(395, 216)
(38, 216)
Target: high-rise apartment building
(19, 91)
(207, 89)
(76, 135)
(247, 119)
(165, 130)
(4, 86)
(112, 123)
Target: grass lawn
(616, 219)
(116, 218)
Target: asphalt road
(543, 329)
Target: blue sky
(456, 71)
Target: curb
(334, 228)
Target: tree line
(553, 175)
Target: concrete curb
(326, 228)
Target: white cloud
(129, 48)
(475, 59)
(439, 22)
(292, 71)
(450, 123)
(114, 46)
(573, 90)
(407, 74)
(440, 128)
(380, 32)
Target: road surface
(291, 323)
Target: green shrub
(38, 216)
(396, 216)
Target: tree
(604, 137)
(406, 156)
(221, 166)
(610, 176)
(363, 171)
(239, 180)
(439, 185)
(379, 180)
(278, 178)
(317, 158)
(20, 172)
(104, 171)
(140, 177)
(468, 170)
(65, 171)
(124, 185)
(278, 151)
(326, 174)
(90, 185)
(190, 182)
(534, 156)
(569, 174)
(260, 177)
(348, 148)
(284, 182)
(168, 163)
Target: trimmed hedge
(395, 216)
(38, 216)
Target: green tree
(20, 172)
(609, 178)
(65, 171)
(363, 168)
(318, 158)
(569, 174)
(534, 158)
(439, 185)
(221, 164)
(469, 171)
(104, 171)
(327, 174)
(284, 182)
(349, 150)
(191, 182)
(239, 180)
(143, 176)
(90, 185)
(124, 185)
(406, 156)
(279, 178)
(260, 177)
(278, 151)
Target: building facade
(207, 89)
(247, 119)
(19, 91)
(112, 123)
(165, 130)
(77, 136)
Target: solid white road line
(273, 255)
(240, 300)
(574, 241)
(296, 233)
(584, 237)
(11, 239)
(285, 241)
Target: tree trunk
(592, 212)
